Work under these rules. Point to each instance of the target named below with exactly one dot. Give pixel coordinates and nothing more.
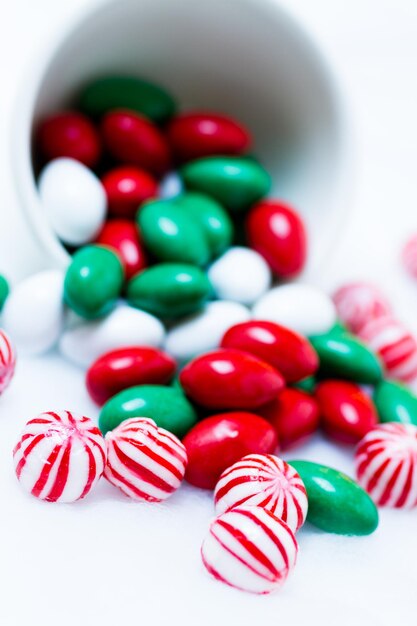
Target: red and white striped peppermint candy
(267, 481)
(60, 456)
(144, 461)
(409, 255)
(7, 361)
(395, 345)
(251, 549)
(357, 303)
(386, 464)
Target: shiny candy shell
(267, 481)
(251, 549)
(301, 308)
(282, 348)
(7, 361)
(386, 465)
(230, 379)
(69, 135)
(395, 403)
(359, 303)
(347, 413)
(218, 441)
(127, 188)
(122, 236)
(127, 367)
(73, 199)
(146, 462)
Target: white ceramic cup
(246, 58)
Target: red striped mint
(409, 256)
(395, 345)
(7, 361)
(144, 461)
(357, 303)
(251, 549)
(386, 465)
(267, 481)
(60, 456)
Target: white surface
(109, 562)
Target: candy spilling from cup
(203, 362)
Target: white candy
(123, 327)
(74, 200)
(33, 314)
(170, 186)
(203, 331)
(241, 275)
(302, 308)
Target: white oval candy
(203, 331)
(302, 308)
(73, 199)
(33, 314)
(125, 326)
(240, 275)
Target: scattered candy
(218, 441)
(395, 403)
(336, 504)
(123, 238)
(127, 367)
(73, 199)
(146, 462)
(60, 456)
(70, 135)
(251, 549)
(358, 303)
(7, 361)
(386, 465)
(4, 290)
(127, 188)
(267, 481)
(395, 345)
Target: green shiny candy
(4, 290)
(93, 281)
(336, 503)
(344, 356)
(235, 182)
(169, 289)
(172, 235)
(307, 385)
(127, 92)
(211, 216)
(395, 403)
(167, 406)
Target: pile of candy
(201, 370)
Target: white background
(107, 561)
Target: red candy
(277, 232)
(123, 237)
(218, 441)
(127, 188)
(195, 135)
(128, 367)
(294, 415)
(289, 352)
(7, 361)
(69, 135)
(229, 379)
(347, 414)
(133, 139)
(358, 303)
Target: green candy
(307, 384)
(167, 406)
(235, 182)
(344, 356)
(4, 290)
(172, 235)
(395, 403)
(339, 329)
(169, 289)
(336, 503)
(211, 216)
(93, 281)
(127, 92)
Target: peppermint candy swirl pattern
(357, 303)
(7, 361)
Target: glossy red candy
(230, 379)
(69, 135)
(133, 139)
(201, 134)
(128, 367)
(277, 232)
(295, 416)
(347, 413)
(123, 237)
(127, 188)
(218, 441)
(289, 352)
